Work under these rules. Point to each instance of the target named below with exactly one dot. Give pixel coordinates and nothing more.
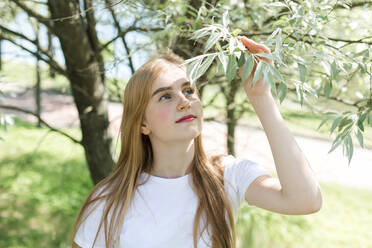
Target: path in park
(251, 142)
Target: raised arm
(296, 191)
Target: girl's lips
(186, 118)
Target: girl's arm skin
(296, 191)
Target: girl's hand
(260, 88)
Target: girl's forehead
(170, 77)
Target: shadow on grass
(40, 196)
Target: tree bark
(52, 72)
(86, 79)
(1, 57)
(231, 118)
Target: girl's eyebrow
(167, 88)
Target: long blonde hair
(118, 189)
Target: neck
(172, 161)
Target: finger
(253, 46)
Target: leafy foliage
(297, 33)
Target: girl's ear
(145, 130)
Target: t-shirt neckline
(168, 180)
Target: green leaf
(300, 94)
(248, 66)
(344, 122)
(361, 53)
(334, 70)
(258, 72)
(192, 66)
(212, 41)
(204, 66)
(196, 58)
(232, 67)
(361, 120)
(277, 4)
(279, 47)
(317, 55)
(192, 70)
(225, 19)
(266, 55)
(200, 33)
(349, 147)
(362, 67)
(241, 60)
(327, 88)
(282, 91)
(218, 46)
(370, 118)
(268, 40)
(223, 59)
(302, 69)
(276, 73)
(339, 139)
(335, 123)
(324, 121)
(359, 135)
(269, 77)
(236, 32)
(335, 144)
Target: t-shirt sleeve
(88, 229)
(241, 173)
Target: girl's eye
(189, 90)
(163, 96)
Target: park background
(44, 176)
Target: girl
(165, 192)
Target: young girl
(165, 192)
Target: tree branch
(34, 42)
(353, 41)
(36, 2)
(41, 120)
(130, 29)
(42, 19)
(117, 24)
(93, 37)
(50, 62)
(354, 4)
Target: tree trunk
(52, 72)
(87, 86)
(1, 58)
(231, 119)
(38, 92)
(38, 78)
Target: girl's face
(172, 98)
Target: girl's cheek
(164, 114)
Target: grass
(44, 181)
(343, 221)
(10, 73)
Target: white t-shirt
(163, 209)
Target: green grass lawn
(44, 181)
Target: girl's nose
(184, 103)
